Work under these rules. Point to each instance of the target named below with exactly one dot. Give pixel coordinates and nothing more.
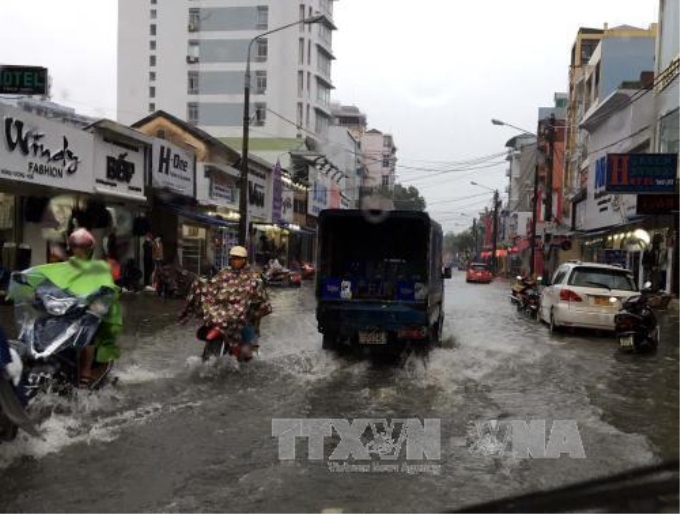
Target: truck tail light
(567, 295)
(412, 333)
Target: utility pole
(474, 235)
(534, 216)
(494, 242)
(549, 163)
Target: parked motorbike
(282, 277)
(525, 295)
(307, 270)
(217, 345)
(53, 326)
(12, 398)
(636, 326)
(173, 281)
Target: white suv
(586, 294)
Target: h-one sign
(23, 80)
(633, 173)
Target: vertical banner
(277, 197)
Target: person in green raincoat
(81, 275)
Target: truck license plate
(372, 338)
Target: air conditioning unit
(192, 59)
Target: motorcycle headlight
(58, 306)
(15, 368)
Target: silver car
(586, 294)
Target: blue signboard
(634, 173)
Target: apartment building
(188, 58)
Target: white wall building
(188, 57)
(380, 160)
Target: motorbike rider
(81, 275)
(234, 301)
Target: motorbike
(636, 326)
(282, 277)
(173, 281)
(526, 296)
(54, 325)
(217, 345)
(307, 271)
(12, 397)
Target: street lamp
(502, 123)
(243, 200)
(496, 205)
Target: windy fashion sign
(40, 151)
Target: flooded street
(178, 435)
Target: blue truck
(379, 283)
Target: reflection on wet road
(178, 435)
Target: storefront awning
(201, 217)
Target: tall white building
(188, 57)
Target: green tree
(459, 243)
(406, 198)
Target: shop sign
(172, 168)
(318, 195)
(658, 204)
(603, 208)
(40, 151)
(287, 205)
(641, 173)
(277, 195)
(257, 195)
(119, 167)
(23, 80)
(223, 190)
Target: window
(307, 124)
(301, 51)
(311, 13)
(152, 45)
(302, 17)
(153, 14)
(309, 81)
(602, 278)
(152, 60)
(193, 51)
(559, 276)
(386, 162)
(192, 81)
(301, 82)
(323, 95)
(160, 133)
(385, 180)
(260, 114)
(261, 54)
(260, 82)
(262, 17)
(194, 19)
(153, 2)
(669, 131)
(309, 51)
(299, 114)
(152, 107)
(387, 142)
(323, 65)
(152, 29)
(300, 206)
(152, 76)
(192, 112)
(321, 125)
(152, 92)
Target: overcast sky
(432, 72)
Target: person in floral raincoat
(234, 301)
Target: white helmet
(238, 251)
